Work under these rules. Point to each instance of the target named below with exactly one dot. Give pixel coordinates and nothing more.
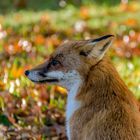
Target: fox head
(71, 62)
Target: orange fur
(108, 110)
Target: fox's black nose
(27, 72)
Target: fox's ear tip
(105, 37)
(109, 35)
(112, 37)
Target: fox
(99, 104)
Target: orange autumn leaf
(2, 85)
(39, 40)
(136, 51)
(61, 90)
(16, 72)
(129, 8)
(130, 22)
(12, 48)
(20, 72)
(135, 36)
(52, 41)
(84, 12)
(17, 48)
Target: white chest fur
(72, 105)
(72, 81)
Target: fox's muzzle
(39, 77)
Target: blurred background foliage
(31, 30)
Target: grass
(129, 71)
(97, 19)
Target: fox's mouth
(46, 80)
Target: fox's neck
(98, 91)
(103, 85)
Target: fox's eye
(83, 53)
(55, 62)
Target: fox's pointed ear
(97, 47)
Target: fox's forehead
(68, 47)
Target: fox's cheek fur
(66, 79)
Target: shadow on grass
(7, 6)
